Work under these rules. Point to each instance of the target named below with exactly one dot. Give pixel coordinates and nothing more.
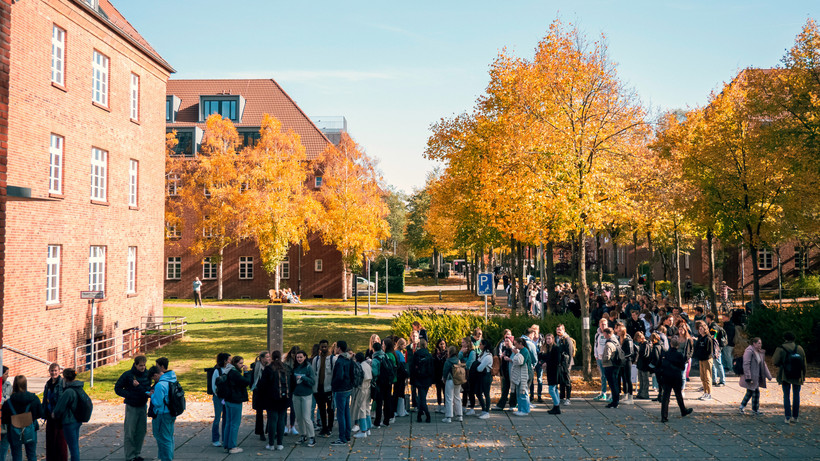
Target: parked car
(363, 285)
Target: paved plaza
(585, 430)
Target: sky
(392, 69)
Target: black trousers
(506, 393)
(384, 404)
(611, 374)
(469, 392)
(276, 426)
(483, 391)
(667, 386)
(565, 391)
(626, 379)
(439, 392)
(324, 402)
(260, 422)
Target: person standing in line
(238, 381)
(223, 366)
(630, 354)
(755, 374)
(384, 383)
(163, 422)
(467, 355)
(704, 351)
(519, 375)
(483, 377)
(671, 367)
(56, 449)
(600, 346)
(301, 382)
(504, 352)
(197, 292)
(452, 401)
(439, 357)
(134, 387)
(274, 388)
(717, 332)
(791, 360)
(550, 358)
(64, 412)
(323, 365)
(20, 401)
(342, 386)
(360, 410)
(289, 362)
(257, 368)
(566, 349)
(644, 348)
(610, 369)
(421, 372)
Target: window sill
(135, 208)
(95, 103)
(135, 122)
(53, 195)
(98, 202)
(173, 280)
(246, 278)
(59, 87)
(131, 295)
(53, 306)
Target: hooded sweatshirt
(161, 392)
(64, 412)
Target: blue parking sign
(485, 284)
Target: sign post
(485, 288)
(92, 295)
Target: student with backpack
(342, 386)
(421, 374)
(467, 356)
(56, 449)
(791, 359)
(20, 413)
(704, 351)
(163, 422)
(73, 409)
(221, 368)
(257, 368)
(273, 392)
(672, 364)
(630, 355)
(566, 348)
(133, 386)
(454, 376)
(383, 376)
(483, 377)
(611, 360)
(233, 388)
(360, 409)
(719, 334)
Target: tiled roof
(110, 15)
(262, 96)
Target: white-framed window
(172, 184)
(208, 269)
(172, 231)
(99, 79)
(686, 260)
(53, 274)
(133, 182)
(317, 265)
(801, 257)
(55, 168)
(765, 259)
(245, 267)
(173, 268)
(131, 280)
(207, 228)
(284, 268)
(99, 174)
(317, 182)
(135, 97)
(58, 55)
(96, 268)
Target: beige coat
(361, 396)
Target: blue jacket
(161, 392)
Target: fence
(154, 332)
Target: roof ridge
(301, 111)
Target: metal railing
(154, 332)
(26, 354)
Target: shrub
(803, 286)
(803, 320)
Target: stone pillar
(275, 328)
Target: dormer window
(92, 3)
(172, 104)
(227, 106)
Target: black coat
(21, 400)
(566, 350)
(238, 386)
(642, 361)
(418, 378)
(134, 396)
(552, 362)
(273, 390)
(438, 366)
(672, 365)
(703, 348)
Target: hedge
(452, 326)
(769, 324)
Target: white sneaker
(287, 430)
(484, 415)
(355, 428)
(707, 397)
(392, 420)
(565, 402)
(459, 418)
(520, 413)
(235, 450)
(788, 421)
(294, 431)
(269, 447)
(447, 420)
(702, 397)
(532, 405)
(280, 447)
(368, 432)
(216, 444)
(469, 412)
(742, 410)
(360, 435)
(629, 400)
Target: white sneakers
(565, 402)
(788, 421)
(469, 412)
(355, 428)
(235, 450)
(742, 410)
(217, 443)
(629, 400)
(705, 397)
(484, 415)
(447, 420)
(360, 435)
(520, 413)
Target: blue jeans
(603, 376)
(71, 432)
(341, 401)
(523, 399)
(717, 370)
(554, 394)
(17, 447)
(792, 408)
(233, 416)
(163, 427)
(219, 414)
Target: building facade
(85, 161)
(313, 270)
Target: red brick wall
(5, 49)
(39, 109)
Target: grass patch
(239, 332)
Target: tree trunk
(573, 265)
(616, 294)
(467, 272)
(522, 287)
(637, 264)
(541, 279)
(552, 298)
(345, 283)
(650, 276)
(779, 278)
(756, 301)
(676, 267)
(599, 262)
(219, 274)
(584, 298)
(710, 248)
(513, 272)
(276, 277)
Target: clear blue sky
(393, 69)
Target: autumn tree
(353, 213)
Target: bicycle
(727, 304)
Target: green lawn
(239, 332)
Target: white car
(363, 285)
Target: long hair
(290, 359)
(276, 360)
(20, 384)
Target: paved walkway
(585, 430)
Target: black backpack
(84, 407)
(424, 366)
(618, 357)
(793, 364)
(357, 374)
(386, 371)
(223, 388)
(176, 399)
(737, 365)
(722, 337)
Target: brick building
(313, 270)
(85, 168)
